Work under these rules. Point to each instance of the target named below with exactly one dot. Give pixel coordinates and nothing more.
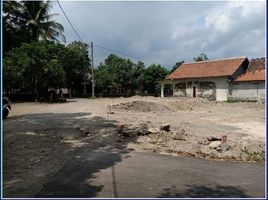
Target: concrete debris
(212, 138)
(153, 130)
(142, 106)
(204, 142)
(179, 136)
(165, 127)
(218, 148)
(215, 144)
(133, 131)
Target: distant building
(219, 79)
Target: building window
(189, 84)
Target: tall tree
(38, 21)
(33, 67)
(14, 32)
(152, 75)
(201, 57)
(26, 21)
(76, 64)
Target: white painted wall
(247, 91)
(222, 87)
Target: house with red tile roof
(251, 84)
(220, 80)
(208, 79)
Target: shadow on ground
(203, 191)
(38, 147)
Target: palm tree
(39, 22)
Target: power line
(123, 54)
(69, 21)
(117, 52)
(99, 46)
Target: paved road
(132, 174)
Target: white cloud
(166, 32)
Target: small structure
(250, 86)
(209, 79)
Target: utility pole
(84, 83)
(92, 73)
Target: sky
(166, 32)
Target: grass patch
(253, 155)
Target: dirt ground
(40, 138)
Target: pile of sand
(141, 106)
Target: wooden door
(194, 91)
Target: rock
(131, 131)
(218, 148)
(178, 136)
(165, 127)
(212, 138)
(153, 130)
(152, 141)
(215, 144)
(182, 131)
(143, 129)
(160, 140)
(204, 142)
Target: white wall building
(218, 80)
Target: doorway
(194, 91)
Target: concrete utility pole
(92, 73)
(84, 83)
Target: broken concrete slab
(178, 136)
(215, 144)
(212, 138)
(165, 127)
(153, 130)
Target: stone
(143, 129)
(178, 136)
(215, 144)
(132, 131)
(212, 138)
(204, 142)
(153, 130)
(218, 148)
(165, 127)
(182, 131)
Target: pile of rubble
(141, 106)
(217, 143)
(130, 131)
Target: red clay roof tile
(210, 68)
(257, 75)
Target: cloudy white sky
(167, 32)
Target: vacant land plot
(40, 138)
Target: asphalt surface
(133, 174)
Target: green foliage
(76, 64)
(33, 67)
(152, 75)
(26, 21)
(201, 57)
(116, 73)
(119, 73)
(253, 155)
